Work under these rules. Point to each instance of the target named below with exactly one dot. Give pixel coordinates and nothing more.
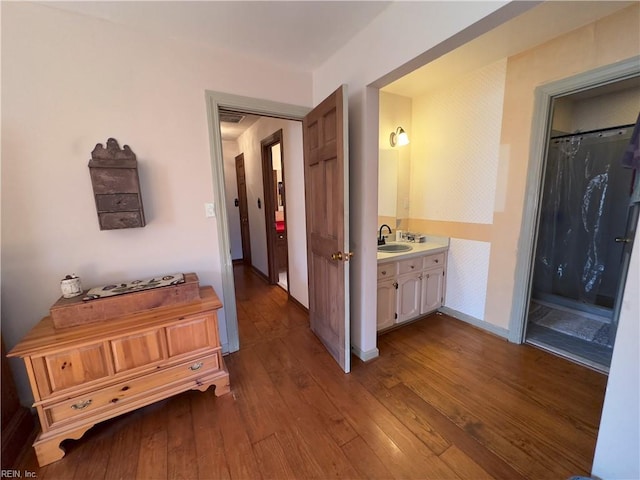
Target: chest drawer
(387, 270)
(436, 260)
(127, 391)
(410, 265)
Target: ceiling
(232, 130)
(300, 35)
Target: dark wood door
(270, 187)
(244, 210)
(326, 169)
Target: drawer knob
(436, 260)
(196, 366)
(81, 405)
(413, 266)
(384, 272)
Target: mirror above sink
(393, 162)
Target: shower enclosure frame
(540, 138)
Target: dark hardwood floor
(443, 401)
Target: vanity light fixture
(399, 137)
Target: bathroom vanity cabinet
(409, 288)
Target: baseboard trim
(365, 356)
(476, 322)
(260, 274)
(298, 304)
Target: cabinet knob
(384, 272)
(436, 260)
(196, 366)
(81, 405)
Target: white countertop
(417, 250)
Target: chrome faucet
(380, 237)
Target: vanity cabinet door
(386, 311)
(432, 293)
(408, 297)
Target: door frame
(541, 125)
(269, 198)
(256, 106)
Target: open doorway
(256, 150)
(586, 224)
(322, 178)
(273, 180)
(266, 117)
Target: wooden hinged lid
(68, 312)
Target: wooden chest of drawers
(83, 375)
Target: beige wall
(69, 82)
(604, 42)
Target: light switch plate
(209, 210)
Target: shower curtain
(584, 207)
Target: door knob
(623, 240)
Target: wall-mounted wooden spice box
(116, 186)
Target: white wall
(229, 153)
(454, 176)
(249, 144)
(618, 442)
(402, 32)
(69, 82)
(456, 148)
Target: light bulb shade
(399, 137)
(403, 139)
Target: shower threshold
(596, 357)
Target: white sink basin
(394, 248)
